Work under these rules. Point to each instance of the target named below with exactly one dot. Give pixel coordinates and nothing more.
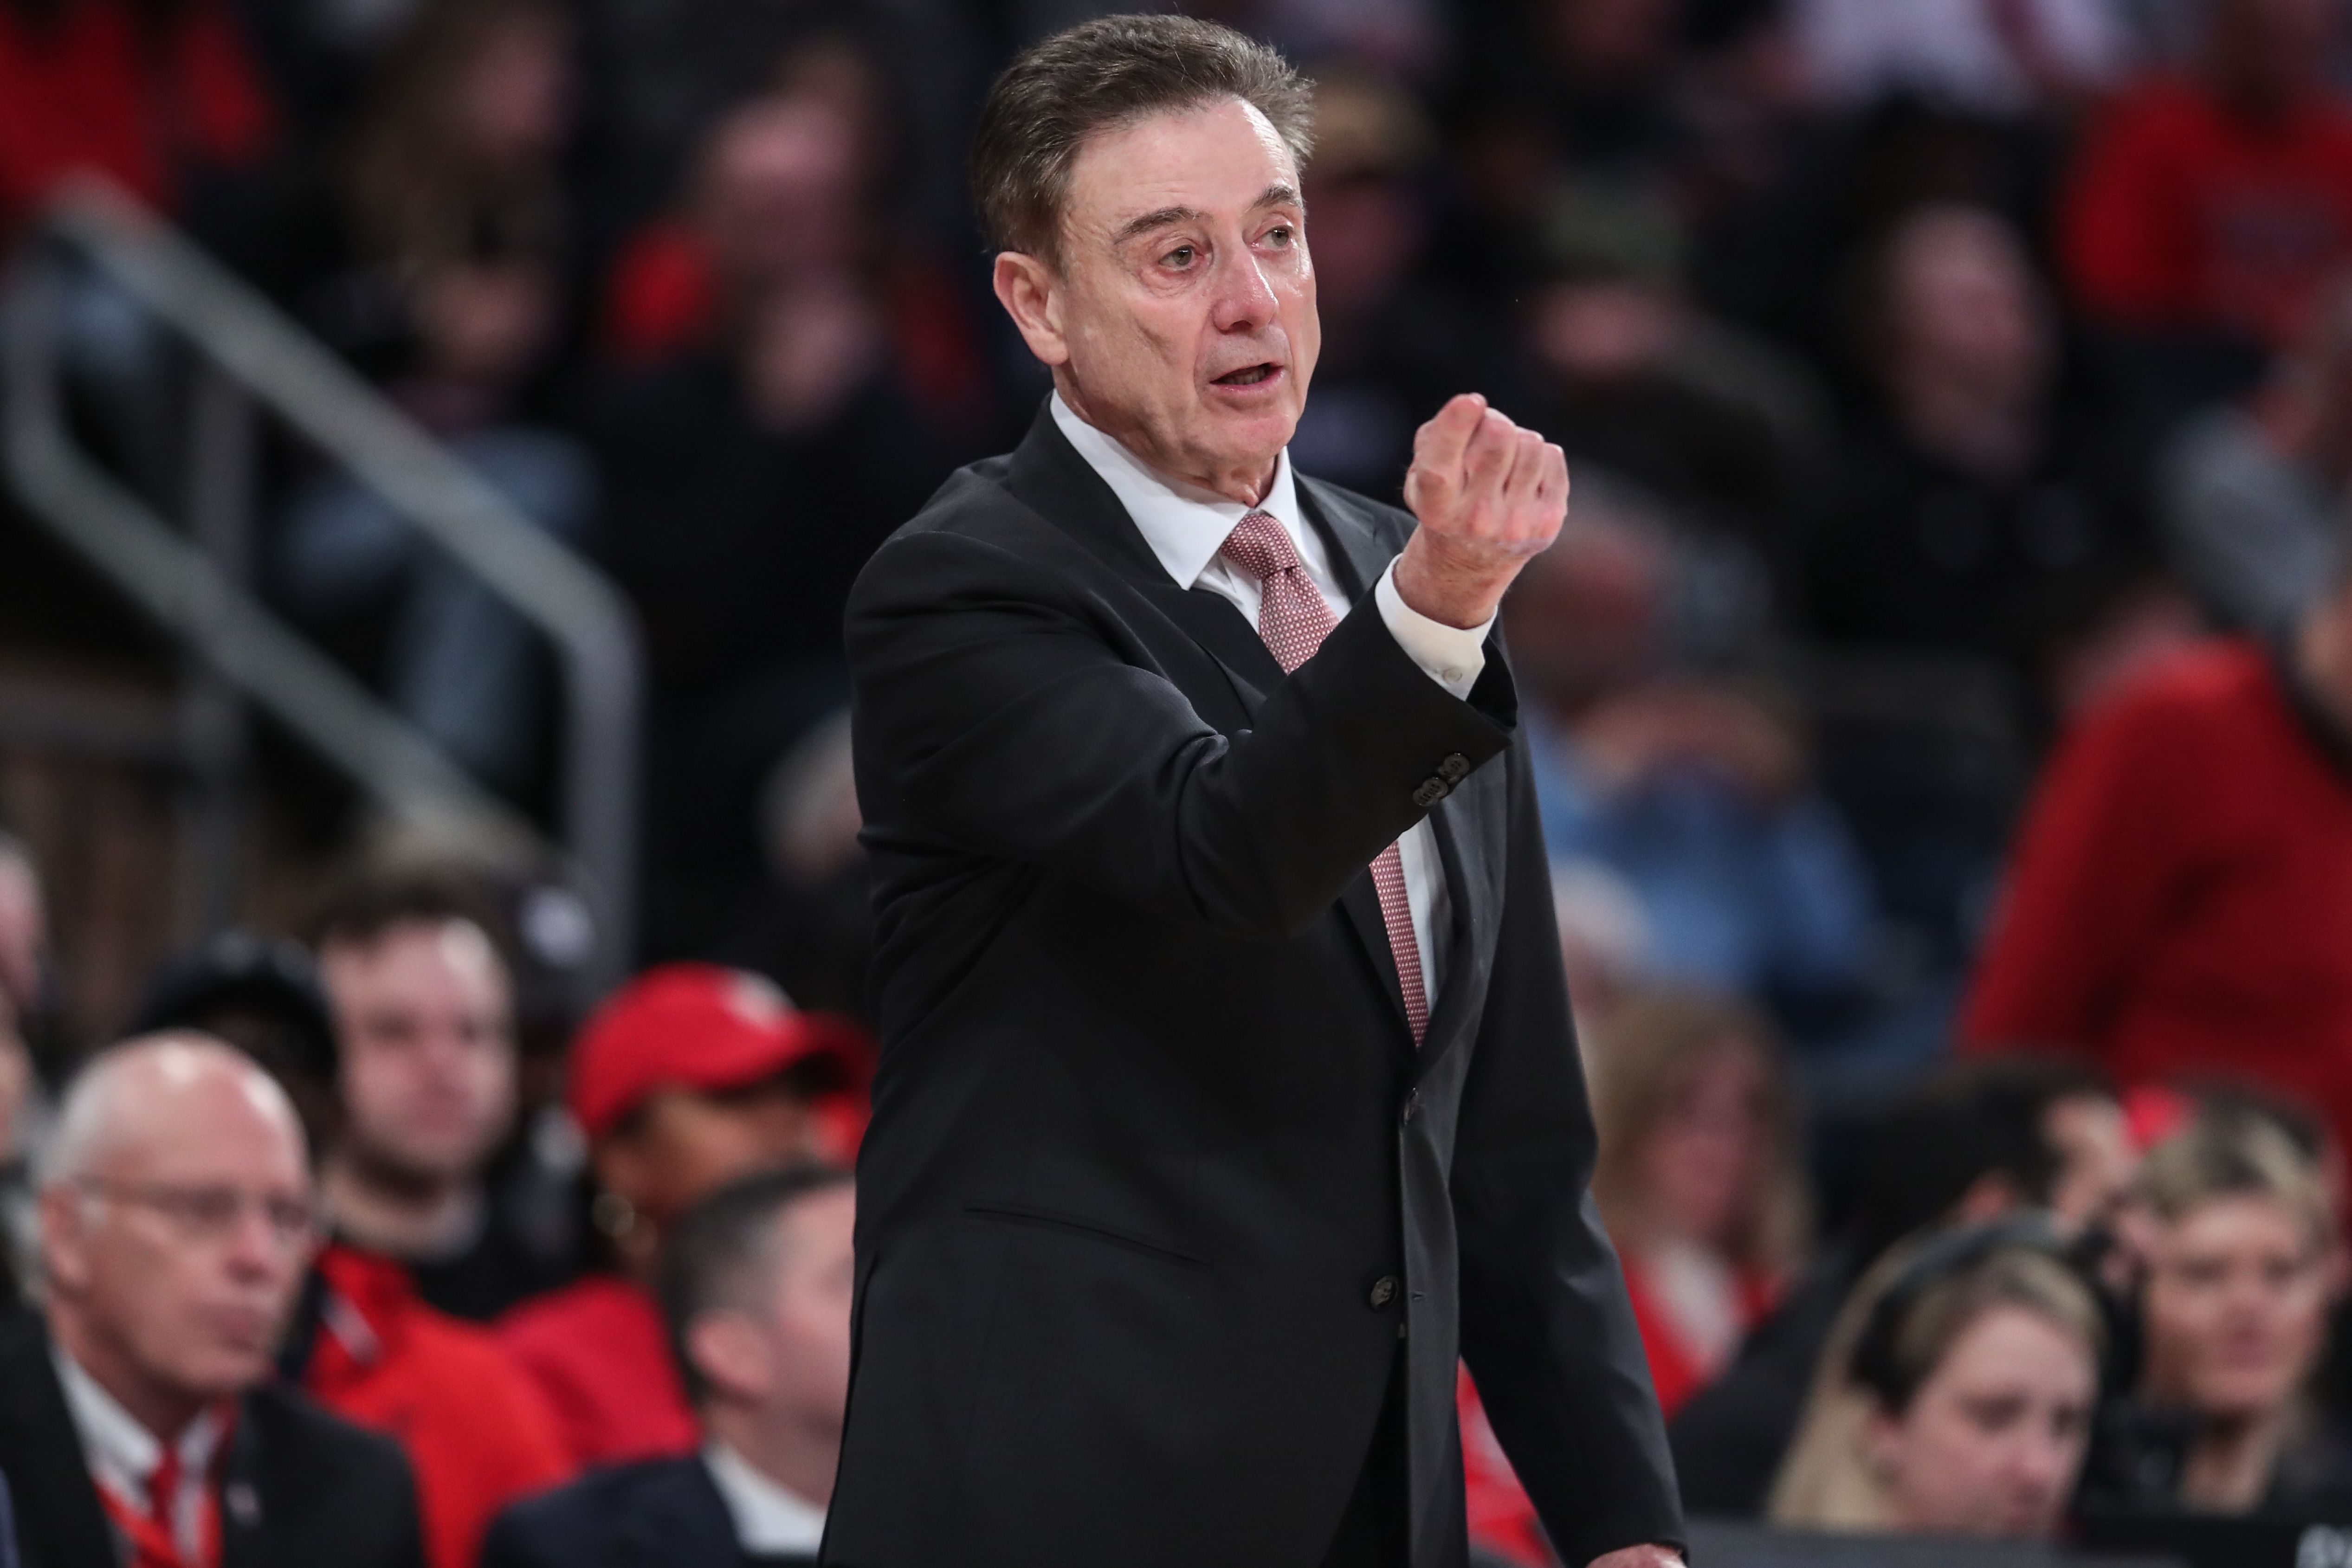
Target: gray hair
(1099, 76)
(88, 1114)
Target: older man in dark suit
(1228, 1093)
(141, 1424)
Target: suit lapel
(1470, 825)
(685, 1520)
(59, 1522)
(1046, 474)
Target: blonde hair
(1638, 1058)
(1827, 1481)
(2235, 1154)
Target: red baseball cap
(701, 1025)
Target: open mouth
(1250, 375)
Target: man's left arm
(1547, 1329)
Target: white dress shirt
(1187, 530)
(768, 1519)
(121, 1454)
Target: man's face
(687, 1144)
(806, 1323)
(2096, 1161)
(167, 1253)
(428, 1068)
(1183, 318)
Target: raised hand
(1489, 495)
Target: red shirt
(2180, 898)
(2184, 216)
(475, 1430)
(98, 92)
(599, 1353)
(1677, 1371)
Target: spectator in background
(2255, 498)
(2009, 58)
(1956, 1398)
(138, 1404)
(755, 1286)
(1978, 513)
(2179, 897)
(1394, 348)
(750, 475)
(685, 1078)
(424, 1009)
(2215, 203)
(451, 291)
(1975, 1144)
(1698, 1178)
(1624, 370)
(24, 963)
(361, 1340)
(154, 96)
(2241, 1256)
(1699, 1185)
(1688, 787)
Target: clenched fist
(1489, 495)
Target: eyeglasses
(214, 1214)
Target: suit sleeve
(1012, 715)
(1547, 1329)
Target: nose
(1245, 299)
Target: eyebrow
(1275, 196)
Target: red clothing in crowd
(475, 1430)
(1502, 1520)
(99, 90)
(599, 1353)
(2186, 216)
(2180, 899)
(1677, 1369)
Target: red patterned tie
(1293, 618)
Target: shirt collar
(1186, 527)
(121, 1452)
(768, 1519)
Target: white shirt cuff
(1450, 655)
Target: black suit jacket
(1158, 1188)
(662, 1514)
(300, 1488)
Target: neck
(797, 1456)
(1246, 482)
(165, 1412)
(2323, 654)
(1986, 436)
(405, 1218)
(2230, 1465)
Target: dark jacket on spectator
(299, 1488)
(662, 1514)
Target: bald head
(163, 1088)
(176, 1222)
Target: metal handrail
(178, 584)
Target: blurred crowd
(1941, 701)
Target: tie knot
(1261, 547)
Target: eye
(1180, 258)
(1280, 236)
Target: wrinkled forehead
(1220, 158)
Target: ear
(64, 1220)
(730, 1351)
(1031, 292)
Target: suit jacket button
(1430, 792)
(1455, 768)
(1412, 1106)
(1384, 1290)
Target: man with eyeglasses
(141, 1426)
